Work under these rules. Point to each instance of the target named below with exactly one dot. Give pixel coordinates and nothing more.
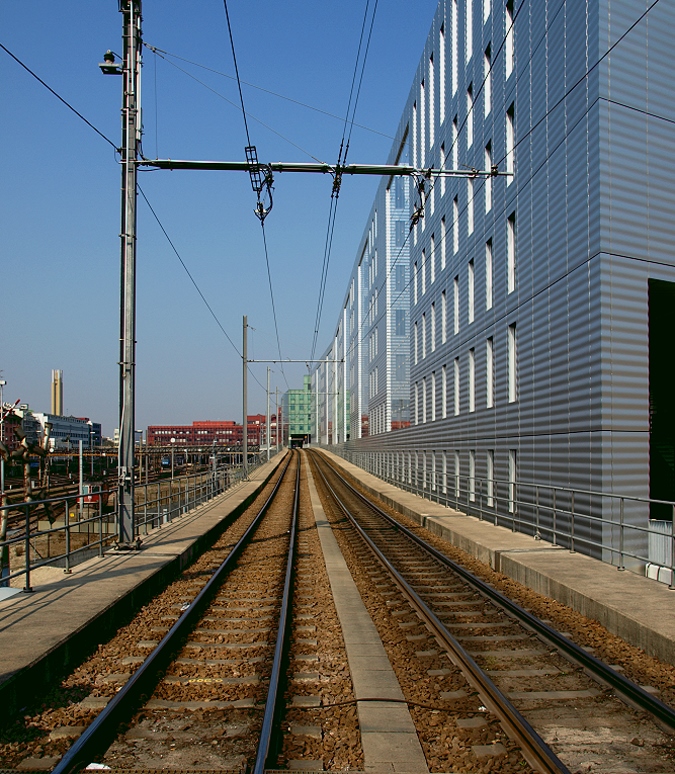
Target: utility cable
(584, 76)
(192, 279)
(187, 271)
(158, 53)
(236, 70)
(274, 311)
(60, 98)
(260, 209)
(161, 51)
(341, 161)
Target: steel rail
(533, 748)
(269, 734)
(619, 683)
(97, 737)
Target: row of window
(426, 389)
(441, 472)
(433, 110)
(420, 327)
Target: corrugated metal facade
(549, 269)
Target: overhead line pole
(244, 440)
(131, 135)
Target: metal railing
(612, 527)
(63, 531)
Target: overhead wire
(262, 224)
(234, 104)
(448, 153)
(580, 80)
(157, 50)
(187, 271)
(523, 183)
(60, 98)
(342, 158)
(192, 279)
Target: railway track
(241, 663)
(225, 652)
(226, 669)
(556, 703)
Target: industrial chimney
(57, 393)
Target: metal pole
(244, 438)
(267, 426)
(81, 479)
(276, 404)
(131, 135)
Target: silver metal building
(541, 305)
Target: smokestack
(57, 393)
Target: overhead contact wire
(262, 225)
(341, 161)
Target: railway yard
(297, 622)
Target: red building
(223, 432)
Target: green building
(296, 413)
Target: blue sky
(59, 194)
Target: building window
(490, 464)
(424, 400)
(433, 396)
(469, 29)
(512, 364)
(472, 476)
(424, 272)
(432, 259)
(456, 395)
(455, 143)
(510, 143)
(442, 166)
(469, 206)
(444, 392)
(399, 233)
(487, 81)
(423, 128)
(489, 373)
(444, 473)
(443, 235)
(488, 180)
(400, 322)
(424, 335)
(488, 274)
(511, 252)
(509, 54)
(455, 225)
(400, 278)
(455, 291)
(417, 398)
(470, 282)
(469, 116)
(444, 318)
(472, 380)
(433, 327)
(512, 481)
(415, 282)
(432, 107)
(455, 36)
(400, 368)
(415, 341)
(441, 73)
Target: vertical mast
(131, 133)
